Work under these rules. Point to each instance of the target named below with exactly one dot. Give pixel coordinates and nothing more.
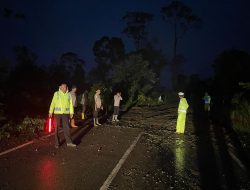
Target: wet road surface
(41, 166)
(207, 157)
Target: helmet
(181, 93)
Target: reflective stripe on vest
(59, 99)
(182, 110)
(57, 109)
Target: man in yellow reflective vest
(182, 111)
(62, 108)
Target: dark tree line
(27, 87)
(229, 89)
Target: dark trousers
(95, 113)
(64, 118)
(116, 110)
(83, 108)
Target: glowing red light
(47, 175)
(50, 120)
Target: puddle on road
(179, 156)
(173, 155)
(185, 159)
(47, 172)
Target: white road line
(15, 148)
(237, 160)
(25, 144)
(48, 135)
(22, 145)
(119, 164)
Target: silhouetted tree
(136, 27)
(108, 52)
(70, 60)
(24, 56)
(155, 57)
(231, 67)
(195, 90)
(134, 76)
(4, 72)
(26, 91)
(57, 74)
(78, 78)
(181, 17)
(182, 81)
(10, 13)
(69, 69)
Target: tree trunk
(174, 62)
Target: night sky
(53, 27)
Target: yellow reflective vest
(183, 106)
(61, 103)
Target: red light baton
(50, 120)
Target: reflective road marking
(22, 145)
(118, 166)
(15, 148)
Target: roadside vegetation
(27, 87)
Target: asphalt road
(141, 152)
(41, 166)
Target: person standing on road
(74, 102)
(160, 99)
(182, 111)
(97, 107)
(117, 99)
(84, 104)
(62, 107)
(207, 102)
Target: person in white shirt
(73, 96)
(160, 99)
(117, 99)
(97, 107)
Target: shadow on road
(209, 171)
(217, 151)
(85, 127)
